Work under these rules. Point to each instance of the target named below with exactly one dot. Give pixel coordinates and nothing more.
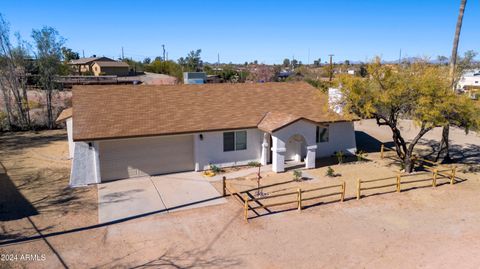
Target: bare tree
(49, 54)
(444, 144)
(11, 68)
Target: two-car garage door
(134, 157)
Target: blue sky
(267, 31)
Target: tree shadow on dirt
(21, 140)
(468, 154)
(190, 259)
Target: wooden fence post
(343, 191)
(299, 198)
(381, 151)
(452, 176)
(359, 182)
(434, 178)
(224, 186)
(398, 182)
(246, 208)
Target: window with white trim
(322, 134)
(234, 141)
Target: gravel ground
(418, 228)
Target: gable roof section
(123, 111)
(64, 115)
(276, 120)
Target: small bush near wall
(297, 175)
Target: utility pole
(123, 56)
(218, 62)
(83, 53)
(331, 67)
(163, 47)
(400, 57)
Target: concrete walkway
(130, 197)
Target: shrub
(361, 155)
(330, 172)
(340, 156)
(215, 169)
(297, 174)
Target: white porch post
(278, 160)
(310, 160)
(264, 156)
(96, 162)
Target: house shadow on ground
(13, 205)
(368, 143)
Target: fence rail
(297, 196)
(362, 185)
(398, 180)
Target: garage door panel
(145, 156)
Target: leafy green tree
(147, 60)
(294, 63)
(442, 59)
(48, 45)
(363, 72)
(68, 54)
(193, 61)
(165, 67)
(286, 62)
(418, 92)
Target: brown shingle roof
(276, 120)
(89, 60)
(116, 111)
(111, 64)
(64, 115)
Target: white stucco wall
(341, 136)
(71, 145)
(85, 165)
(301, 127)
(210, 150)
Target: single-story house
(121, 131)
(103, 68)
(84, 65)
(100, 66)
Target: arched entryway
(295, 149)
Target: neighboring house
(100, 66)
(129, 131)
(470, 83)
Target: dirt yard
(421, 227)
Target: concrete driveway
(135, 196)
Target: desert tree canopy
(418, 91)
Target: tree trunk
(409, 165)
(8, 109)
(49, 109)
(27, 105)
(444, 145)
